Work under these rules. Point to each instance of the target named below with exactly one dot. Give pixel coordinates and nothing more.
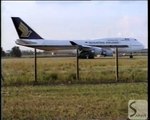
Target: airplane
(97, 52)
(87, 48)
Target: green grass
(59, 96)
(72, 102)
(63, 70)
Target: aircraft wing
(81, 47)
(89, 47)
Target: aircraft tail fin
(23, 30)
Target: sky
(76, 20)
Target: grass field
(59, 96)
(63, 70)
(72, 102)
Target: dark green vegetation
(21, 100)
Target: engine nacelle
(89, 54)
(107, 52)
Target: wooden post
(35, 66)
(77, 59)
(116, 64)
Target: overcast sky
(76, 20)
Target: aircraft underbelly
(49, 48)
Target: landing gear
(86, 55)
(131, 55)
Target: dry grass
(23, 101)
(63, 70)
(73, 102)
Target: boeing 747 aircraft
(88, 48)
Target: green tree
(16, 52)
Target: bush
(16, 52)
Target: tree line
(15, 52)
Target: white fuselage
(124, 44)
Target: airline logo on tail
(25, 31)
